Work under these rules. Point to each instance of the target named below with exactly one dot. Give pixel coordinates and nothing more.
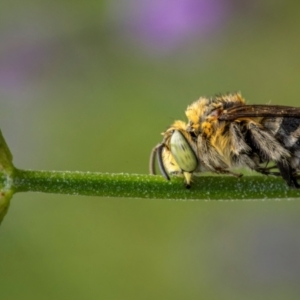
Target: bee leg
(296, 175)
(270, 167)
(271, 173)
(237, 175)
(222, 171)
(287, 174)
(266, 171)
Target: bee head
(176, 154)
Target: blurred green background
(90, 86)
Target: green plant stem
(149, 186)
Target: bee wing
(259, 111)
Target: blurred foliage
(90, 87)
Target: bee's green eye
(183, 152)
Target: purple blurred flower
(23, 58)
(17, 64)
(165, 24)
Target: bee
(223, 133)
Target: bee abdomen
(239, 145)
(266, 144)
(289, 132)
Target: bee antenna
(157, 150)
(160, 161)
(152, 160)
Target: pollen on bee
(207, 128)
